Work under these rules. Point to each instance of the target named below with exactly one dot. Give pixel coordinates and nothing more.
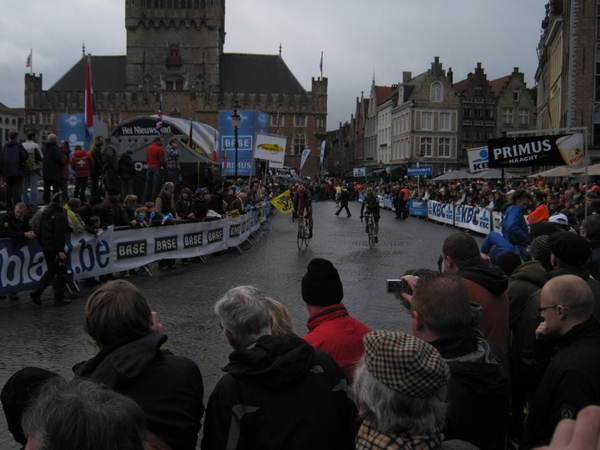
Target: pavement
(53, 338)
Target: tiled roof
(382, 92)
(108, 75)
(498, 84)
(260, 74)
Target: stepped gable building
(175, 51)
(568, 74)
(425, 120)
(371, 134)
(477, 112)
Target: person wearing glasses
(566, 352)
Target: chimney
(406, 76)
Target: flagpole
(31, 61)
(321, 65)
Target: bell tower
(174, 45)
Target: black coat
(167, 387)
(53, 227)
(570, 380)
(52, 161)
(295, 397)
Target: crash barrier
(473, 218)
(22, 264)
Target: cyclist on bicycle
(302, 202)
(371, 206)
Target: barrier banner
(22, 266)
(417, 207)
(133, 249)
(497, 222)
(239, 229)
(388, 202)
(472, 218)
(440, 212)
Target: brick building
(568, 74)
(175, 50)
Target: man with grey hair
(400, 384)
(565, 357)
(74, 415)
(279, 392)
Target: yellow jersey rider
(303, 202)
(371, 206)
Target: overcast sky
(359, 39)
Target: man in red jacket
(330, 327)
(155, 159)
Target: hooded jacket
(52, 161)
(167, 387)
(14, 156)
(478, 391)
(53, 227)
(82, 163)
(514, 228)
(281, 393)
(331, 329)
(487, 286)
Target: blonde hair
(282, 321)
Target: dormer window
(436, 91)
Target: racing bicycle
(370, 229)
(303, 238)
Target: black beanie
(321, 285)
(570, 248)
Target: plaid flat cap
(405, 363)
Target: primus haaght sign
(557, 150)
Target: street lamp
(235, 121)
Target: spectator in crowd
(566, 353)
(77, 414)
(201, 204)
(540, 213)
(209, 177)
(343, 198)
(486, 285)
(131, 360)
(172, 155)
(15, 225)
(31, 169)
(590, 230)
(110, 158)
(216, 202)
(97, 169)
(479, 391)
(185, 204)
(126, 172)
(155, 159)
(130, 204)
(65, 165)
(111, 211)
(274, 376)
(400, 386)
(53, 227)
(281, 321)
(52, 168)
(82, 164)
(14, 156)
(330, 327)
(515, 234)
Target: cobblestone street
(53, 338)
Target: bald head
(573, 293)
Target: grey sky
(359, 39)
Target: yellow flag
(283, 202)
(234, 213)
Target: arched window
(299, 142)
(437, 91)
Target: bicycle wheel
(300, 237)
(306, 234)
(371, 235)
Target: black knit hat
(321, 285)
(570, 248)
